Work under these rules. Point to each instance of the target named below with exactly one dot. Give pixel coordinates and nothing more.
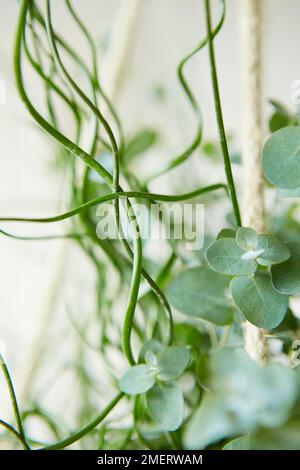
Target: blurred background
(146, 95)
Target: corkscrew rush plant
(232, 402)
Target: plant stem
(219, 116)
(13, 431)
(112, 196)
(86, 429)
(14, 403)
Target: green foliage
(140, 143)
(257, 299)
(200, 292)
(281, 158)
(166, 406)
(164, 398)
(273, 250)
(137, 380)
(247, 239)
(245, 398)
(286, 276)
(280, 118)
(251, 289)
(172, 362)
(226, 257)
(243, 275)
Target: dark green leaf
(226, 233)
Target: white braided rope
(253, 207)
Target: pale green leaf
(200, 292)
(138, 379)
(150, 345)
(226, 257)
(274, 251)
(247, 238)
(140, 143)
(286, 276)
(166, 406)
(258, 301)
(172, 362)
(151, 359)
(281, 158)
(209, 424)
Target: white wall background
(167, 29)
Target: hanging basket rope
(253, 207)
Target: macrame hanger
(253, 204)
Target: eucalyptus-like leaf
(172, 362)
(226, 257)
(273, 250)
(151, 345)
(166, 406)
(286, 276)
(258, 301)
(201, 292)
(138, 379)
(281, 158)
(151, 359)
(209, 424)
(247, 238)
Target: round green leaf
(166, 406)
(138, 379)
(275, 251)
(172, 362)
(226, 257)
(281, 158)
(246, 238)
(150, 345)
(257, 299)
(151, 359)
(286, 276)
(200, 292)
